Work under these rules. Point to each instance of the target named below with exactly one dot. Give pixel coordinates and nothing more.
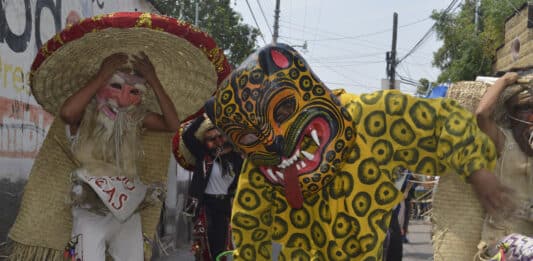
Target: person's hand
(111, 64)
(142, 65)
(496, 198)
(190, 208)
(510, 78)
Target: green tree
(468, 49)
(423, 86)
(218, 19)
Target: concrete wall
(24, 26)
(518, 29)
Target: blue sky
(347, 39)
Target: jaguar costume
(318, 174)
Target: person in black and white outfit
(214, 180)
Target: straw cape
(457, 215)
(189, 66)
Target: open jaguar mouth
(306, 157)
(307, 153)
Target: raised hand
(142, 65)
(111, 64)
(510, 78)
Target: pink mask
(121, 91)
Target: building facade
(517, 50)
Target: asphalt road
(419, 247)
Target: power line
(407, 80)
(318, 21)
(346, 57)
(369, 44)
(349, 63)
(264, 16)
(344, 37)
(344, 76)
(255, 20)
(336, 48)
(428, 33)
(418, 44)
(343, 84)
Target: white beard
(113, 143)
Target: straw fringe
(457, 214)
(21, 252)
(457, 220)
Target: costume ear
(209, 108)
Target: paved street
(183, 254)
(419, 248)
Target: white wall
(24, 26)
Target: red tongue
(293, 192)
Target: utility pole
(276, 23)
(196, 13)
(391, 56)
(477, 4)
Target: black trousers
(407, 212)
(218, 214)
(394, 250)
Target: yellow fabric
(348, 218)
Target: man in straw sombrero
(505, 113)
(115, 84)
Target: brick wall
(518, 29)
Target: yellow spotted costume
(318, 174)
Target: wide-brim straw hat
(187, 61)
(469, 93)
(523, 83)
(182, 153)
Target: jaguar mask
(278, 113)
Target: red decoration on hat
(136, 19)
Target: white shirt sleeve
(71, 138)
